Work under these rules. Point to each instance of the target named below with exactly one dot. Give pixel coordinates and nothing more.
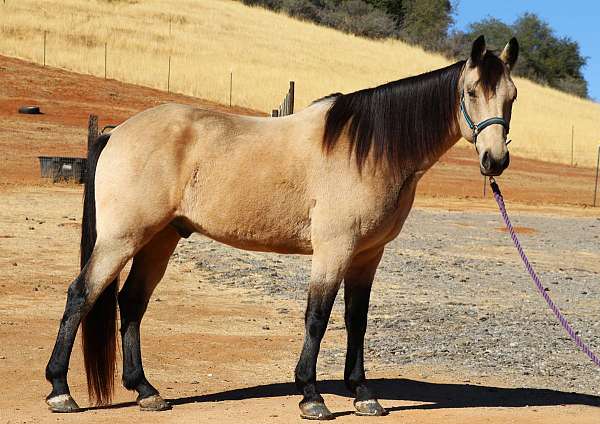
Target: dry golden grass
(264, 50)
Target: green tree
(548, 58)
(543, 57)
(392, 7)
(426, 22)
(357, 17)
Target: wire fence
(572, 147)
(571, 153)
(103, 63)
(60, 168)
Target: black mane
(408, 120)
(404, 120)
(327, 97)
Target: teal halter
(477, 128)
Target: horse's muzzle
(492, 167)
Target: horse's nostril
(485, 160)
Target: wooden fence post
(291, 94)
(169, 76)
(287, 106)
(105, 57)
(572, 142)
(45, 32)
(92, 130)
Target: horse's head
(487, 93)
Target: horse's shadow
(433, 395)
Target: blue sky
(578, 20)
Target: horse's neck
(445, 145)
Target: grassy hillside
(208, 39)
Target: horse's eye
(472, 93)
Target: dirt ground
(220, 354)
(224, 354)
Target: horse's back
(241, 180)
(250, 186)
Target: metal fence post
(596, 184)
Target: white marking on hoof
(62, 403)
(370, 408)
(153, 403)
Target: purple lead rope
(563, 321)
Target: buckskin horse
(336, 180)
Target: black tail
(99, 326)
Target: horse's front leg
(329, 264)
(357, 290)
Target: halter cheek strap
(477, 128)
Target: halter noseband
(477, 128)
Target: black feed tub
(63, 168)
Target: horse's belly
(283, 237)
(276, 221)
(275, 243)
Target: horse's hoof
(369, 407)
(153, 403)
(315, 411)
(62, 403)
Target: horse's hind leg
(357, 290)
(105, 263)
(148, 267)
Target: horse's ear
(477, 51)
(510, 53)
